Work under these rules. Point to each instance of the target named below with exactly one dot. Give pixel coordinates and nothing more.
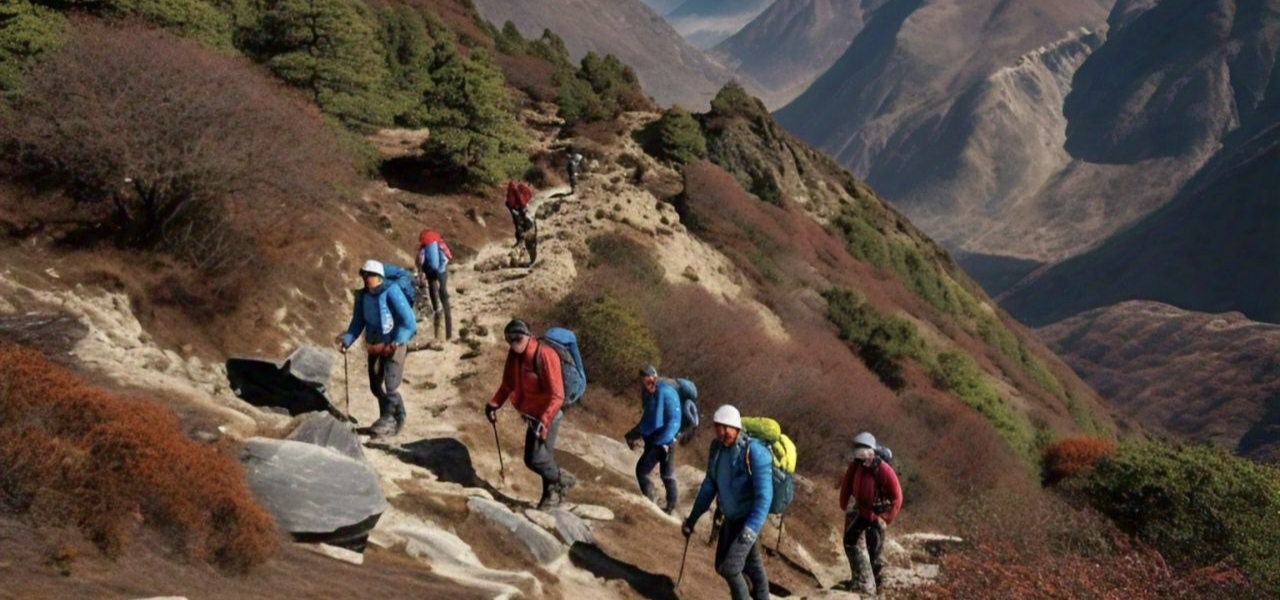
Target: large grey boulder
(542, 545)
(311, 364)
(322, 429)
(315, 493)
(296, 386)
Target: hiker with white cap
(877, 497)
(659, 424)
(740, 477)
(385, 317)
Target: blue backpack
(402, 278)
(565, 343)
(688, 393)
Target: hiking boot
(383, 427)
(551, 497)
(399, 425)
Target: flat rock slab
(313, 492)
(51, 333)
(321, 429)
(832, 595)
(571, 529)
(542, 545)
(311, 364)
(451, 557)
(592, 512)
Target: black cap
(516, 327)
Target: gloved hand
(747, 537)
(341, 346)
(491, 413)
(687, 527)
(631, 443)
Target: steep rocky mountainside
(1206, 377)
(669, 68)
(792, 43)
(1213, 248)
(705, 23)
(951, 110)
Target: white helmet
(728, 416)
(865, 439)
(373, 266)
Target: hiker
(658, 426)
(519, 194)
(532, 381)
(740, 477)
(433, 262)
(873, 486)
(385, 317)
(573, 162)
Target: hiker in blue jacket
(385, 317)
(659, 424)
(740, 476)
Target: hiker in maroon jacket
(877, 497)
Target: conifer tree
(411, 57)
(330, 49)
(472, 125)
(26, 31)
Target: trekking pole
(680, 577)
(502, 468)
(346, 382)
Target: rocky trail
(454, 504)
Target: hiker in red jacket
(877, 497)
(532, 381)
(519, 194)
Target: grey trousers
(539, 454)
(654, 456)
(734, 559)
(438, 290)
(385, 373)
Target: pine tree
(411, 57)
(472, 126)
(26, 31)
(330, 49)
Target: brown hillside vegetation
(77, 456)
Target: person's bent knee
(728, 571)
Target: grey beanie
(517, 327)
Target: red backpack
(427, 236)
(518, 195)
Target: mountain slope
(1211, 249)
(669, 69)
(704, 23)
(931, 96)
(1208, 378)
(793, 42)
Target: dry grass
(1074, 455)
(75, 455)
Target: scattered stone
(482, 331)
(542, 545)
(452, 558)
(52, 333)
(571, 529)
(541, 519)
(690, 274)
(832, 595)
(335, 553)
(592, 512)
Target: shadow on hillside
(419, 176)
(649, 585)
(450, 460)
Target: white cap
(373, 266)
(728, 416)
(865, 439)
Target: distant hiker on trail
(573, 164)
(873, 486)
(519, 194)
(433, 262)
(659, 424)
(533, 382)
(740, 476)
(385, 317)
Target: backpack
(518, 195)
(565, 343)
(402, 278)
(427, 236)
(688, 393)
(784, 459)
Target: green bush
(618, 251)
(601, 89)
(615, 342)
(734, 101)
(675, 137)
(882, 342)
(1198, 505)
(958, 374)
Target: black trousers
(438, 289)
(875, 543)
(653, 456)
(539, 454)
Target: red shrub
(1071, 456)
(75, 455)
